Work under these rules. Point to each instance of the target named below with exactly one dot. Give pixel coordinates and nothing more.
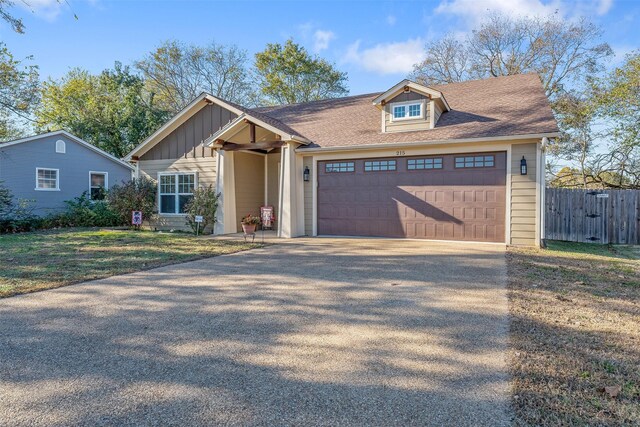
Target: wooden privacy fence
(593, 216)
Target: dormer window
(407, 110)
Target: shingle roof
(500, 106)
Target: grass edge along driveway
(45, 260)
(575, 334)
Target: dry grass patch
(575, 330)
(45, 260)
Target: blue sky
(375, 42)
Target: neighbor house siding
(187, 140)
(205, 169)
(308, 198)
(406, 125)
(18, 165)
(249, 181)
(523, 195)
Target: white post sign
(198, 219)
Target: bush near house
(205, 204)
(139, 194)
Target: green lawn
(44, 260)
(575, 334)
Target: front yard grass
(575, 334)
(44, 260)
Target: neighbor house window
(61, 147)
(339, 167)
(426, 163)
(379, 165)
(406, 111)
(98, 184)
(47, 179)
(175, 190)
(475, 161)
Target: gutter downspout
(543, 186)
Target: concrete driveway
(310, 332)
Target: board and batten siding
(308, 197)
(249, 182)
(205, 169)
(187, 140)
(523, 195)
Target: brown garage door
(448, 197)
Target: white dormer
(409, 106)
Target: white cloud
(387, 58)
(391, 20)
(321, 40)
(474, 11)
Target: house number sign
(400, 153)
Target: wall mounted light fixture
(523, 166)
(305, 174)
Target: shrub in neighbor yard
(16, 216)
(139, 194)
(204, 203)
(84, 212)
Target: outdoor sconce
(523, 166)
(305, 174)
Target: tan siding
(406, 125)
(437, 111)
(205, 169)
(249, 180)
(523, 195)
(273, 164)
(308, 198)
(186, 140)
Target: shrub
(6, 201)
(204, 203)
(136, 195)
(84, 212)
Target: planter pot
(249, 228)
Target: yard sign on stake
(136, 218)
(198, 220)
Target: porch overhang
(250, 133)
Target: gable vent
(61, 146)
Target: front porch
(257, 166)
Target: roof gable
(70, 137)
(405, 86)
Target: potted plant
(249, 223)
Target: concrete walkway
(311, 332)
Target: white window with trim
(174, 191)
(409, 110)
(47, 179)
(98, 183)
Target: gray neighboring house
(57, 166)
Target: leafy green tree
(19, 93)
(177, 73)
(111, 110)
(289, 74)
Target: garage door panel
(447, 203)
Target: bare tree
(447, 61)
(176, 73)
(559, 51)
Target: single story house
(462, 161)
(57, 166)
